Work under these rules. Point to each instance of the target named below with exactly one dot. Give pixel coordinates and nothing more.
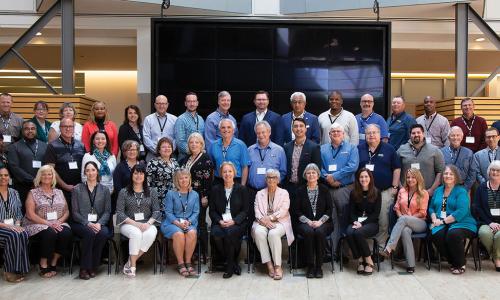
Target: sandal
(270, 271)
(181, 268)
(53, 270)
(130, 272)
(12, 277)
(45, 272)
(361, 267)
(278, 273)
(365, 272)
(191, 270)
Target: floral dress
(161, 175)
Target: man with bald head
(157, 125)
(436, 126)
(459, 156)
(368, 116)
(337, 114)
(399, 123)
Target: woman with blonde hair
(99, 121)
(411, 209)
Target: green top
(42, 133)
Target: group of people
(275, 177)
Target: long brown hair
(420, 190)
(358, 189)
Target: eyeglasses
(272, 178)
(67, 126)
(491, 136)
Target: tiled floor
(388, 284)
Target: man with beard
(187, 123)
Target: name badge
(7, 138)
(443, 215)
(495, 212)
(141, 148)
(52, 216)
(362, 219)
(9, 222)
(261, 171)
(370, 167)
(139, 216)
(73, 165)
(415, 166)
(469, 140)
(332, 168)
(428, 139)
(37, 164)
(227, 217)
(362, 136)
(92, 217)
(181, 220)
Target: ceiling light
(481, 39)
(38, 34)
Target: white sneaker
(126, 268)
(130, 272)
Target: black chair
(474, 242)
(295, 247)
(255, 249)
(164, 253)
(374, 251)
(424, 238)
(156, 250)
(110, 243)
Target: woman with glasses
(41, 110)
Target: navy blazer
(481, 209)
(247, 132)
(310, 154)
(313, 131)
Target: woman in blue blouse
(182, 208)
(452, 221)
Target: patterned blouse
(46, 203)
(128, 205)
(202, 170)
(160, 175)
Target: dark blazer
(247, 132)
(324, 205)
(372, 209)
(313, 131)
(481, 209)
(239, 203)
(126, 132)
(310, 154)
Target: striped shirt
(11, 209)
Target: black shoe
(237, 270)
(410, 270)
(497, 269)
(310, 272)
(227, 275)
(318, 273)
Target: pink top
(402, 208)
(90, 127)
(44, 205)
(280, 207)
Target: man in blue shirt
(483, 158)
(381, 158)
(212, 123)
(298, 103)
(262, 113)
(459, 156)
(229, 148)
(399, 123)
(340, 162)
(188, 123)
(368, 116)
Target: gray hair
(493, 165)
(336, 125)
(311, 166)
(457, 129)
(374, 126)
(273, 173)
(196, 135)
(226, 120)
(129, 144)
(263, 123)
(223, 94)
(298, 94)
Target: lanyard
(373, 154)
(418, 151)
(6, 204)
(336, 153)
(393, 120)
(184, 206)
(33, 151)
(224, 150)
(432, 121)
(138, 200)
(314, 201)
(409, 198)
(270, 203)
(195, 119)
(6, 124)
(443, 205)
(495, 193)
(458, 154)
(471, 124)
(92, 196)
(260, 153)
(228, 199)
(50, 198)
(338, 116)
(164, 123)
(364, 121)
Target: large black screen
(280, 57)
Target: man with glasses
(212, 132)
(472, 125)
(340, 162)
(298, 103)
(65, 154)
(190, 121)
(11, 122)
(157, 125)
(399, 123)
(381, 159)
(459, 156)
(25, 158)
(436, 126)
(483, 158)
(337, 114)
(368, 116)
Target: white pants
(262, 236)
(138, 240)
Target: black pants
(314, 242)
(53, 242)
(228, 243)
(202, 230)
(451, 244)
(91, 245)
(356, 238)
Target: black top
(238, 203)
(126, 132)
(60, 154)
(371, 210)
(310, 154)
(21, 155)
(202, 174)
(324, 204)
(121, 176)
(481, 206)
